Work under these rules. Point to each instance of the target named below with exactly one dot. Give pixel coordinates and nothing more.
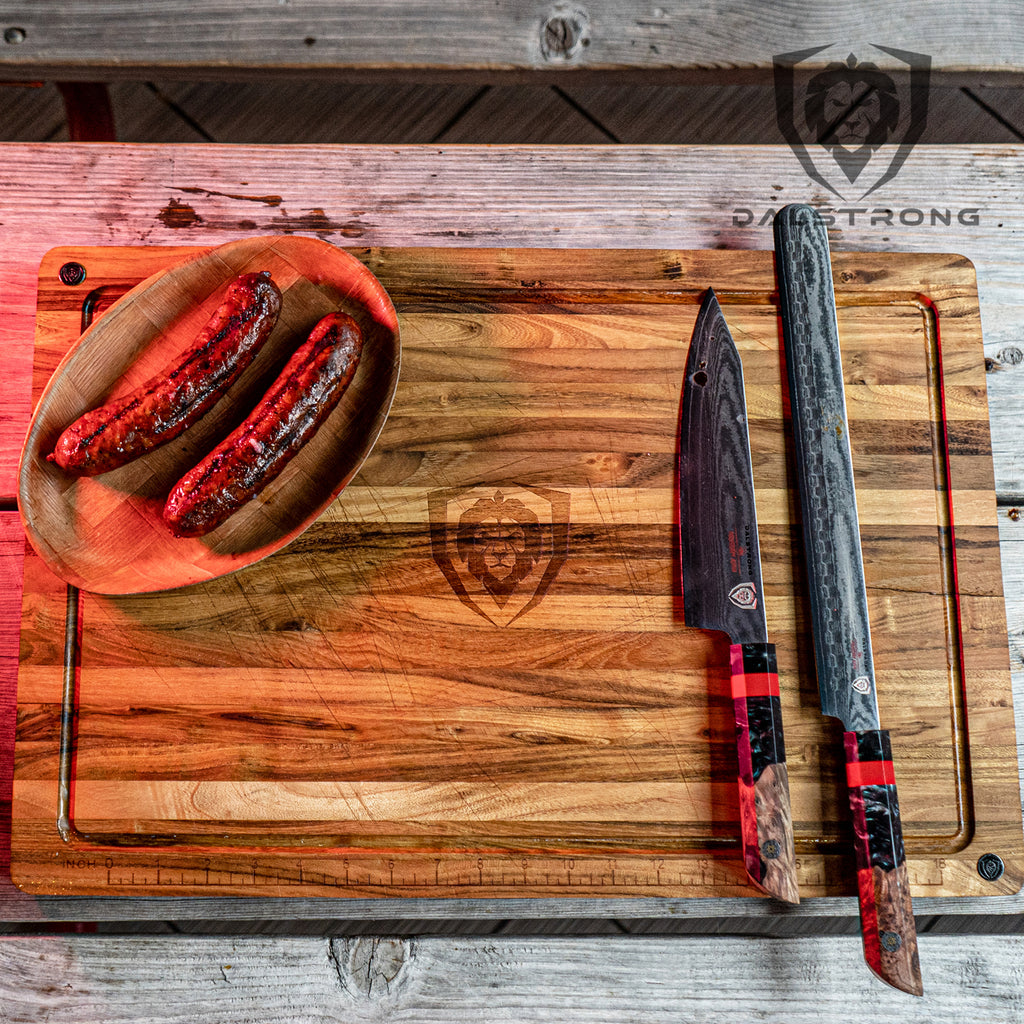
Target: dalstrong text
(880, 216)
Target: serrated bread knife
(838, 596)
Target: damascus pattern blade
(828, 501)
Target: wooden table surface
(714, 41)
(648, 197)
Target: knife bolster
(887, 916)
(758, 707)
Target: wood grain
(496, 979)
(313, 36)
(12, 546)
(361, 689)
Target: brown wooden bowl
(106, 534)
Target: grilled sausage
(288, 415)
(167, 404)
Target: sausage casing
(289, 414)
(171, 401)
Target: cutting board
(471, 676)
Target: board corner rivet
(71, 273)
(990, 866)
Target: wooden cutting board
(471, 676)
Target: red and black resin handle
(886, 913)
(766, 822)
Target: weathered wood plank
(1005, 103)
(493, 979)
(505, 114)
(31, 112)
(444, 35)
(142, 113)
(745, 114)
(316, 112)
(351, 112)
(683, 114)
(241, 914)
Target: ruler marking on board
(376, 872)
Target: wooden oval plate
(106, 534)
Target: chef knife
(721, 573)
(838, 595)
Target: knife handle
(766, 823)
(887, 916)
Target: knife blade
(838, 594)
(720, 560)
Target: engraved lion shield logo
(500, 549)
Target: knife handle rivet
(700, 378)
(890, 941)
(771, 849)
(990, 867)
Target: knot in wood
(565, 32)
(371, 968)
